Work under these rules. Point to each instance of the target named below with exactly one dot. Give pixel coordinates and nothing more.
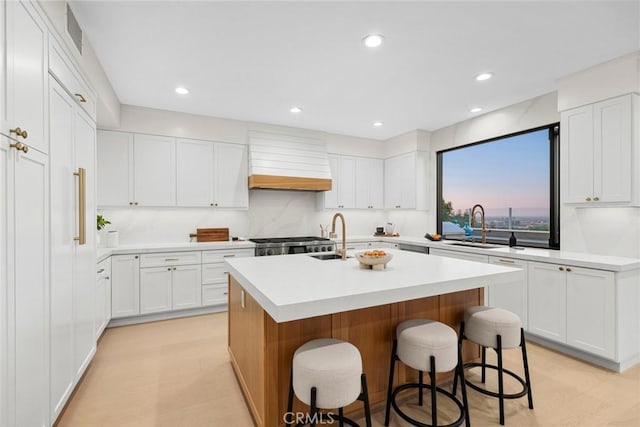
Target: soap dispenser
(512, 240)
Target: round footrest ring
(522, 393)
(426, 386)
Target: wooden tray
(211, 235)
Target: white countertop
(298, 286)
(143, 248)
(577, 259)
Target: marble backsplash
(271, 213)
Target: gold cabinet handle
(19, 132)
(79, 95)
(568, 269)
(82, 208)
(561, 268)
(20, 147)
(595, 199)
(588, 199)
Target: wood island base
(261, 349)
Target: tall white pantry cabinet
(47, 279)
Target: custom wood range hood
(288, 162)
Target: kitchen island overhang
(299, 286)
(278, 303)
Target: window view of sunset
(510, 177)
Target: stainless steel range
(292, 245)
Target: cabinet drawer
(214, 294)
(62, 69)
(170, 259)
(214, 273)
(220, 255)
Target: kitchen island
(278, 303)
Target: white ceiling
(253, 60)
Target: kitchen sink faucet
(473, 221)
(333, 235)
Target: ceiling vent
(288, 162)
(73, 29)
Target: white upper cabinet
(369, 183)
(400, 181)
(343, 185)
(150, 170)
(26, 75)
(211, 174)
(154, 160)
(115, 168)
(597, 143)
(194, 172)
(230, 176)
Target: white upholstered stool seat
(333, 367)
(426, 346)
(499, 329)
(327, 373)
(419, 339)
(484, 324)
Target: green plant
(101, 222)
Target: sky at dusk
(512, 172)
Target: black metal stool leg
(432, 378)
(341, 414)
(455, 375)
(525, 362)
(463, 387)
(500, 380)
(365, 400)
(390, 387)
(421, 382)
(484, 364)
(290, 399)
(314, 409)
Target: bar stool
(426, 345)
(327, 373)
(498, 329)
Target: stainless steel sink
(476, 245)
(328, 256)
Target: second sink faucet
(343, 250)
(473, 220)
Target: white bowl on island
(375, 260)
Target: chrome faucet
(333, 234)
(473, 220)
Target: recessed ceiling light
(295, 110)
(377, 124)
(182, 90)
(476, 109)
(484, 76)
(373, 40)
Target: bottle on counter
(512, 240)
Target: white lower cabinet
(103, 297)
(591, 310)
(186, 287)
(573, 306)
(511, 296)
(155, 289)
(125, 286)
(214, 294)
(215, 274)
(170, 288)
